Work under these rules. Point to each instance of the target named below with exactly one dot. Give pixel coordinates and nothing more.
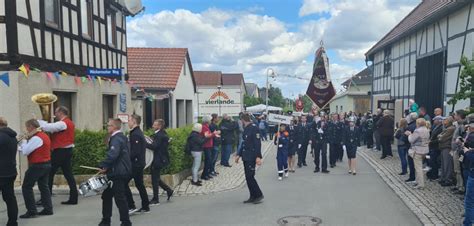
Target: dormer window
(51, 12)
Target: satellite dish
(133, 6)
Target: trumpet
(27, 135)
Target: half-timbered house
(420, 57)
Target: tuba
(45, 102)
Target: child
(282, 140)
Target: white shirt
(27, 147)
(54, 128)
(113, 134)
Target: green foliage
(252, 101)
(275, 98)
(466, 82)
(90, 150)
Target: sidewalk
(433, 206)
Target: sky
(251, 37)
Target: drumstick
(90, 167)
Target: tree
(466, 83)
(251, 101)
(275, 98)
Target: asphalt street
(336, 198)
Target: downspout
(371, 69)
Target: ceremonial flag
(25, 68)
(320, 89)
(5, 79)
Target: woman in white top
(419, 141)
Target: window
(51, 11)
(108, 108)
(86, 18)
(111, 28)
(387, 64)
(65, 99)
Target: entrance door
(429, 82)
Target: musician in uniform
(8, 149)
(303, 136)
(118, 167)
(137, 156)
(334, 130)
(351, 143)
(251, 155)
(293, 145)
(282, 140)
(62, 144)
(38, 150)
(161, 159)
(319, 144)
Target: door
(429, 81)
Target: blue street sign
(104, 72)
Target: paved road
(337, 198)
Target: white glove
(344, 147)
(280, 146)
(320, 131)
(299, 145)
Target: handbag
(411, 152)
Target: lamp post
(219, 92)
(270, 72)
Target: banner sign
(123, 102)
(224, 101)
(320, 89)
(123, 117)
(104, 72)
(283, 119)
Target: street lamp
(219, 95)
(271, 73)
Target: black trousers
(302, 152)
(369, 138)
(62, 158)
(156, 182)
(340, 153)
(385, 141)
(37, 173)
(137, 176)
(117, 192)
(320, 155)
(252, 184)
(334, 153)
(434, 163)
(8, 195)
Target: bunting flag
(320, 89)
(5, 79)
(100, 81)
(93, 79)
(49, 75)
(56, 74)
(64, 74)
(25, 68)
(77, 80)
(89, 78)
(36, 69)
(84, 79)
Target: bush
(90, 150)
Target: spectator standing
(435, 152)
(402, 145)
(386, 129)
(8, 152)
(419, 141)
(228, 129)
(444, 139)
(378, 115)
(208, 146)
(216, 143)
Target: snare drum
(94, 185)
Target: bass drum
(148, 153)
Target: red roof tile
(425, 11)
(156, 68)
(208, 78)
(232, 79)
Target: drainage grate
(299, 221)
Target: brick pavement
(435, 205)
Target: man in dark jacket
(137, 156)
(334, 137)
(385, 127)
(319, 143)
(435, 152)
(228, 129)
(8, 150)
(303, 139)
(161, 159)
(377, 116)
(118, 168)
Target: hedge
(90, 149)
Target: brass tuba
(45, 102)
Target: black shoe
(104, 223)
(454, 189)
(227, 166)
(45, 213)
(299, 165)
(325, 171)
(409, 180)
(144, 210)
(205, 178)
(196, 183)
(250, 200)
(258, 200)
(402, 173)
(304, 164)
(316, 170)
(447, 184)
(28, 215)
(69, 202)
(332, 166)
(154, 202)
(383, 157)
(459, 192)
(170, 194)
(12, 224)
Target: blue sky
(251, 36)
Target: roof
(157, 68)
(362, 78)
(425, 12)
(235, 79)
(208, 78)
(251, 88)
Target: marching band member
(62, 144)
(137, 156)
(8, 149)
(293, 145)
(351, 142)
(334, 131)
(319, 144)
(161, 159)
(282, 140)
(38, 150)
(118, 168)
(303, 137)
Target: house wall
(184, 91)
(448, 33)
